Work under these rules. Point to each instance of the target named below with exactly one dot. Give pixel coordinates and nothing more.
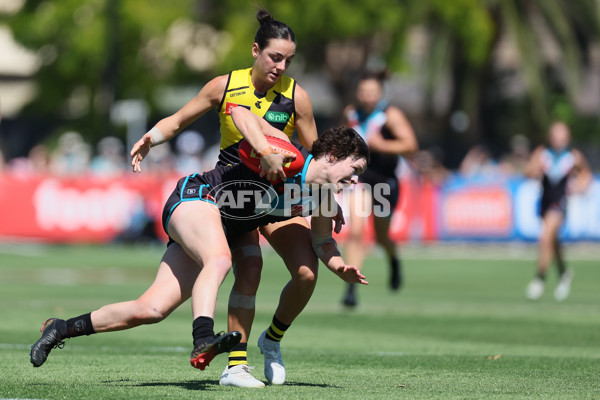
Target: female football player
(389, 135)
(562, 171)
(201, 226)
(269, 93)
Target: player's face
(272, 61)
(345, 172)
(368, 93)
(559, 136)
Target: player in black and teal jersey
(389, 136)
(201, 228)
(562, 171)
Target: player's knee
(146, 313)
(382, 238)
(247, 274)
(355, 235)
(221, 264)
(546, 240)
(240, 300)
(306, 276)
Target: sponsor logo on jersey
(230, 106)
(277, 116)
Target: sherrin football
(252, 160)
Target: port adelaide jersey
(244, 200)
(276, 106)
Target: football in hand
(252, 160)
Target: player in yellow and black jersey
(268, 92)
(276, 106)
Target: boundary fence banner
(95, 210)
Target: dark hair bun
(263, 16)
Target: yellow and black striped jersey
(276, 106)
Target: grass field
(459, 329)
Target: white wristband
(157, 136)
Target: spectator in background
(562, 171)
(110, 158)
(37, 162)
(514, 162)
(389, 135)
(161, 161)
(478, 162)
(189, 145)
(72, 155)
(429, 168)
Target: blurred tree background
(465, 71)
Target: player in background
(562, 171)
(200, 228)
(265, 90)
(389, 135)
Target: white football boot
(274, 369)
(564, 285)
(535, 289)
(240, 376)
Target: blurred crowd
(478, 163)
(73, 156)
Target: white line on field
(165, 349)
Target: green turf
(459, 329)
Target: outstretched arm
(325, 248)
(167, 128)
(582, 174)
(404, 141)
(533, 168)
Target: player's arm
(404, 141)
(254, 129)
(167, 128)
(325, 247)
(305, 119)
(533, 168)
(582, 174)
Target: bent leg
(559, 257)
(355, 248)
(196, 226)
(382, 228)
(551, 224)
(171, 287)
(293, 242)
(247, 267)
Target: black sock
(238, 355)
(80, 326)
(276, 330)
(351, 288)
(203, 330)
(541, 276)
